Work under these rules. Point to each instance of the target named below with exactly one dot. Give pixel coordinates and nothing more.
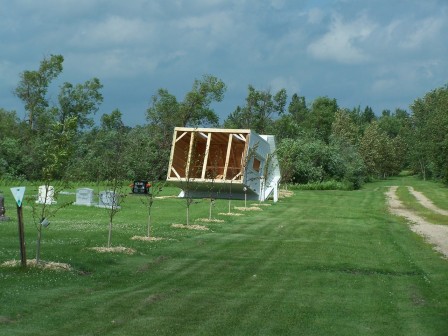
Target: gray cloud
(378, 53)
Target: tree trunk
(422, 170)
(230, 194)
(210, 210)
(188, 215)
(39, 238)
(149, 225)
(110, 233)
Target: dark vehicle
(140, 187)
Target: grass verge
(315, 263)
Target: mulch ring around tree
(190, 227)
(230, 214)
(208, 220)
(149, 239)
(285, 193)
(47, 265)
(116, 249)
(251, 208)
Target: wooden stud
(172, 150)
(226, 165)
(190, 151)
(244, 161)
(207, 150)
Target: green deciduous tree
(166, 113)
(293, 123)
(195, 109)
(382, 155)
(321, 117)
(9, 144)
(55, 148)
(110, 149)
(308, 160)
(49, 140)
(344, 129)
(258, 113)
(80, 102)
(367, 116)
(429, 140)
(32, 89)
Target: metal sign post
(18, 193)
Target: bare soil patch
(116, 249)
(190, 227)
(433, 233)
(48, 265)
(426, 202)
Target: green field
(316, 263)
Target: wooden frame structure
(221, 163)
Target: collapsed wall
(223, 163)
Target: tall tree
(321, 117)
(166, 113)
(430, 134)
(258, 113)
(382, 155)
(395, 123)
(344, 129)
(146, 158)
(56, 150)
(345, 142)
(110, 148)
(47, 123)
(33, 86)
(80, 101)
(195, 109)
(368, 115)
(293, 123)
(10, 135)
(297, 109)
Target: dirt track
(427, 203)
(434, 234)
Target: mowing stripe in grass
(317, 263)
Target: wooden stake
(21, 236)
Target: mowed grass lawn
(316, 263)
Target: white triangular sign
(18, 193)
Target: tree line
(317, 142)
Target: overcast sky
(381, 53)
